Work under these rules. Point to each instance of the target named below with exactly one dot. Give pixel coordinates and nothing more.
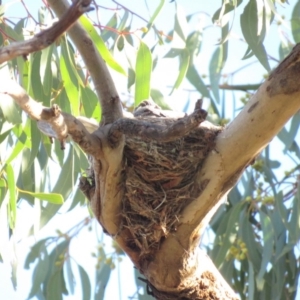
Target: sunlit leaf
(154, 16)
(70, 77)
(12, 206)
(2, 182)
(143, 71)
(49, 197)
(99, 43)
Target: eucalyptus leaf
(253, 36)
(143, 70)
(100, 45)
(268, 243)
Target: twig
(60, 124)
(48, 36)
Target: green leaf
(226, 7)
(19, 146)
(247, 234)
(180, 28)
(35, 252)
(154, 16)
(85, 284)
(100, 45)
(35, 136)
(120, 43)
(55, 286)
(195, 79)
(102, 277)
(90, 103)
(50, 197)
(131, 78)
(253, 34)
(284, 49)
(173, 52)
(2, 182)
(158, 98)
(143, 71)
(45, 70)
(249, 53)
(294, 223)
(70, 77)
(215, 67)
(124, 20)
(34, 83)
(226, 241)
(70, 276)
(183, 67)
(39, 273)
(10, 111)
(194, 42)
(64, 186)
(12, 206)
(268, 240)
(295, 22)
(10, 32)
(111, 24)
(251, 282)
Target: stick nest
(160, 182)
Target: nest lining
(160, 182)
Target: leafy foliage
(255, 233)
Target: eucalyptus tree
(155, 180)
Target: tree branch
(104, 85)
(48, 36)
(59, 124)
(276, 101)
(151, 131)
